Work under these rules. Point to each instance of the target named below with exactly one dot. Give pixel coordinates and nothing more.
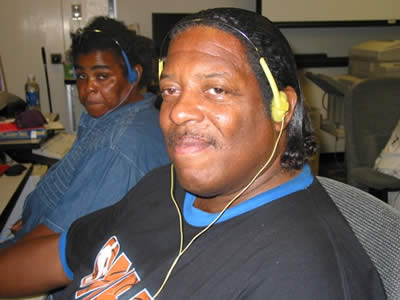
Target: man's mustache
(174, 138)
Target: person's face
(100, 81)
(213, 117)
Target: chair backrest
(376, 225)
(371, 111)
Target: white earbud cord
(122, 101)
(181, 250)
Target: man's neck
(263, 183)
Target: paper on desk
(57, 146)
(54, 125)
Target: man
(247, 219)
(119, 138)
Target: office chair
(376, 225)
(371, 111)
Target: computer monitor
(162, 24)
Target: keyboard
(57, 146)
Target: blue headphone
(132, 73)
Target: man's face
(101, 82)
(213, 117)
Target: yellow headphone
(279, 103)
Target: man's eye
(168, 91)
(217, 91)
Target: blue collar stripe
(199, 218)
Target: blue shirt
(199, 218)
(109, 157)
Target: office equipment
(20, 145)
(375, 58)
(335, 91)
(162, 24)
(57, 146)
(336, 88)
(74, 107)
(376, 225)
(372, 110)
(10, 105)
(20, 150)
(388, 161)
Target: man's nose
(187, 108)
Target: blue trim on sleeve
(199, 218)
(62, 245)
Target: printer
(375, 58)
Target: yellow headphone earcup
(280, 104)
(160, 67)
(279, 107)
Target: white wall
(25, 27)
(133, 11)
(328, 10)
(90, 8)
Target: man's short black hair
(273, 46)
(104, 33)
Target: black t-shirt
(296, 247)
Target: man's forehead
(202, 34)
(209, 42)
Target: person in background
(118, 140)
(238, 214)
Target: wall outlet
(55, 58)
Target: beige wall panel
(136, 11)
(25, 27)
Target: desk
(11, 187)
(22, 144)
(21, 150)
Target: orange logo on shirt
(112, 275)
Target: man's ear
(291, 96)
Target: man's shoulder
(140, 199)
(162, 173)
(156, 181)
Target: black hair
(104, 33)
(273, 46)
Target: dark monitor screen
(162, 24)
